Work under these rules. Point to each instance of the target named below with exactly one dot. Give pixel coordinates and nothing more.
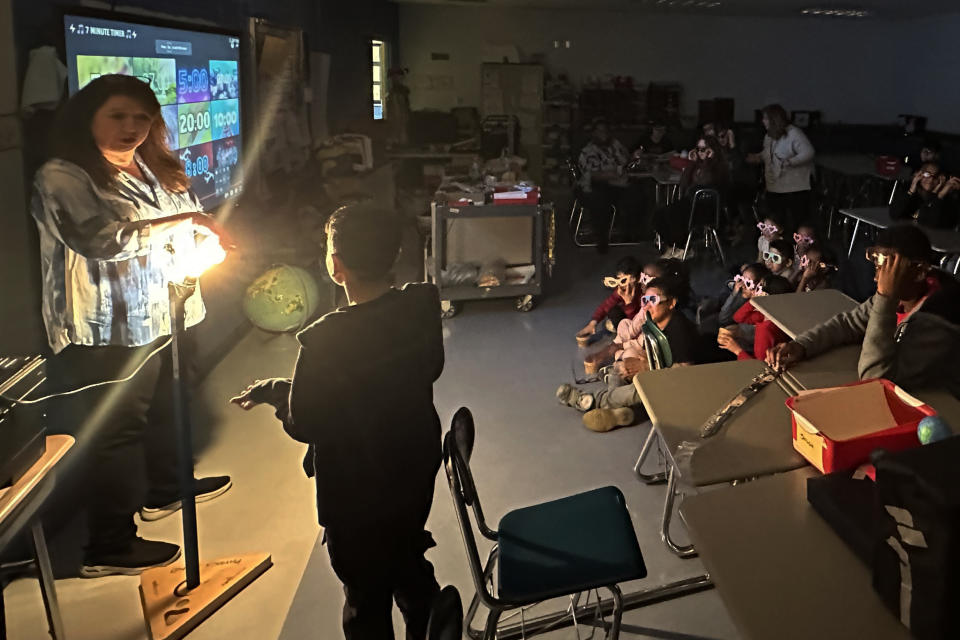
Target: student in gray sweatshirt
(909, 329)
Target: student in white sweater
(787, 159)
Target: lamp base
(171, 611)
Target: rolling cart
(541, 253)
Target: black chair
(705, 218)
(446, 616)
(578, 209)
(564, 547)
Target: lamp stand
(177, 598)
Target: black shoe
(138, 556)
(206, 489)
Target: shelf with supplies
(489, 251)
(559, 123)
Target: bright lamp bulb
(207, 253)
(193, 256)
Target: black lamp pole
(179, 292)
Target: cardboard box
(837, 428)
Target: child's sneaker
(603, 420)
(570, 396)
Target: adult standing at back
(787, 158)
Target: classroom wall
(847, 69)
(932, 60)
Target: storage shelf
(468, 292)
(452, 212)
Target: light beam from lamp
(177, 598)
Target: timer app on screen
(196, 78)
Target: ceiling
(880, 8)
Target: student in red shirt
(767, 333)
(624, 302)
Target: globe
(283, 299)
(933, 429)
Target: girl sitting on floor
(623, 302)
(615, 406)
(817, 267)
(770, 229)
(803, 238)
(670, 268)
(766, 333)
(629, 339)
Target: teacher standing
(109, 207)
(787, 159)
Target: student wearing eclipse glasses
(616, 406)
(931, 199)
(909, 329)
(817, 266)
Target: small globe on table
(283, 299)
(933, 429)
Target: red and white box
(517, 197)
(838, 428)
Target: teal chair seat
(565, 546)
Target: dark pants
(673, 222)
(615, 316)
(121, 430)
(793, 208)
(628, 201)
(380, 563)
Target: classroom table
(830, 369)
(781, 570)
(878, 217)
(747, 446)
(945, 241)
(667, 183)
(797, 562)
(795, 313)
(858, 173)
(19, 507)
(756, 441)
(854, 165)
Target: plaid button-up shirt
(104, 276)
(595, 158)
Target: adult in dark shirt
(619, 404)
(931, 199)
(657, 142)
(930, 151)
(374, 461)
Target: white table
(854, 165)
(19, 506)
(795, 313)
(945, 241)
(667, 181)
(781, 570)
(878, 217)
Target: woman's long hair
(777, 117)
(716, 165)
(74, 140)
